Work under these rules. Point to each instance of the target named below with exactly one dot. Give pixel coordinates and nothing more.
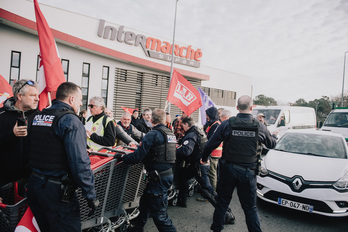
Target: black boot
(229, 217)
(133, 228)
(182, 201)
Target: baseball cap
(261, 114)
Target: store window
(105, 84)
(85, 84)
(15, 66)
(65, 66)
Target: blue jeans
(154, 202)
(231, 176)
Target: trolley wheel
(191, 192)
(174, 202)
(123, 227)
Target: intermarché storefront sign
(152, 47)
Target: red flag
(27, 223)
(129, 110)
(5, 90)
(182, 94)
(51, 73)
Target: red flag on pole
(182, 94)
(5, 90)
(51, 73)
(129, 110)
(27, 223)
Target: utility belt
(156, 176)
(239, 167)
(65, 182)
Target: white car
(307, 171)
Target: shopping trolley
(12, 207)
(118, 188)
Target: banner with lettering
(183, 94)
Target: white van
(337, 122)
(282, 118)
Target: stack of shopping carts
(118, 187)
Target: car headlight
(342, 183)
(263, 171)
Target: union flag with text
(5, 90)
(182, 94)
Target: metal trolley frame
(118, 187)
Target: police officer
(188, 166)
(60, 163)
(240, 136)
(157, 152)
(188, 157)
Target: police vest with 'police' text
(47, 151)
(242, 142)
(166, 152)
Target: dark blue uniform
(44, 186)
(154, 201)
(188, 157)
(234, 174)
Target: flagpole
(172, 61)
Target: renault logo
(297, 183)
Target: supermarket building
(126, 67)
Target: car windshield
(337, 120)
(271, 115)
(313, 144)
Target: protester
(15, 119)
(131, 130)
(135, 118)
(122, 137)
(169, 121)
(157, 152)
(220, 111)
(178, 129)
(213, 123)
(109, 113)
(145, 124)
(103, 132)
(225, 114)
(60, 163)
(83, 116)
(238, 163)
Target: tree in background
(264, 101)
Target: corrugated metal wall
(136, 89)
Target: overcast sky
(291, 48)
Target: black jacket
(143, 127)
(223, 131)
(13, 150)
(189, 149)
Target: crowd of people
(47, 152)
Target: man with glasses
(15, 116)
(102, 133)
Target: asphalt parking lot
(198, 217)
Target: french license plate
(295, 205)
